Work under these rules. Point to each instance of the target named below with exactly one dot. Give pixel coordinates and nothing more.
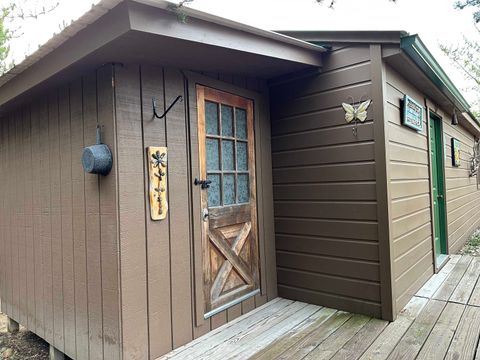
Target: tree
(11, 14)
(469, 3)
(466, 56)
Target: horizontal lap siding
(50, 236)
(161, 260)
(410, 192)
(324, 187)
(463, 196)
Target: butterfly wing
(362, 110)
(349, 112)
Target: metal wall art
(455, 152)
(157, 172)
(354, 112)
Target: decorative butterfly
(358, 112)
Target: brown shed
(235, 177)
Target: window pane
(228, 160)
(227, 120)
(213, 159)
(241, 122)
(214, 190)
(242, 156)
(243, 188)
(228, 189)
(211, 118)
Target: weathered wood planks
(448, 286)
(412, 341)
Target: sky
(436, 21)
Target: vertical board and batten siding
(325, 200)
(58, 236)
(462, 192)
(410, 191)
(161, 287)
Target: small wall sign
(157, 174)
(412, 113)
(455, 152)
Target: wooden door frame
(266, 250)
(431, 113)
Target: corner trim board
(382, 175)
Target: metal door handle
(205, 183)
(205, 215)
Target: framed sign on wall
(412, 113)
(455, 152)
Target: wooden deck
(441, 322)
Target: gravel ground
(472, 247)
(21, 345)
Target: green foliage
(472, 247)
(467, 3)
(12, 11)
(466, 55)
(5, 36)
(331, 3)
(178, 10)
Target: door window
(227, 154)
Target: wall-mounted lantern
(454, 117)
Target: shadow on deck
(442, 321)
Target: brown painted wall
(82, 265)
(325, 187)
(410, 192)
(58, 237)
(463, 197)
(411, 220)
(161, 288)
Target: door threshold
(441, 261)
(231, 303)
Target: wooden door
(228, 198)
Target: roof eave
(103, 25)
(417, 51)
(347, 36)
(200, 15)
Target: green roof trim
(418, 52)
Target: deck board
(464, 342)
(432, 285)
(412, 341)
(441, 321)
(358, 344)
(294, 335)
(316, 337)
(465, 287)
(327, 349)
(451, 282)
(439, 339)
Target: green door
(438, 189)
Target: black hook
(154, 103)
